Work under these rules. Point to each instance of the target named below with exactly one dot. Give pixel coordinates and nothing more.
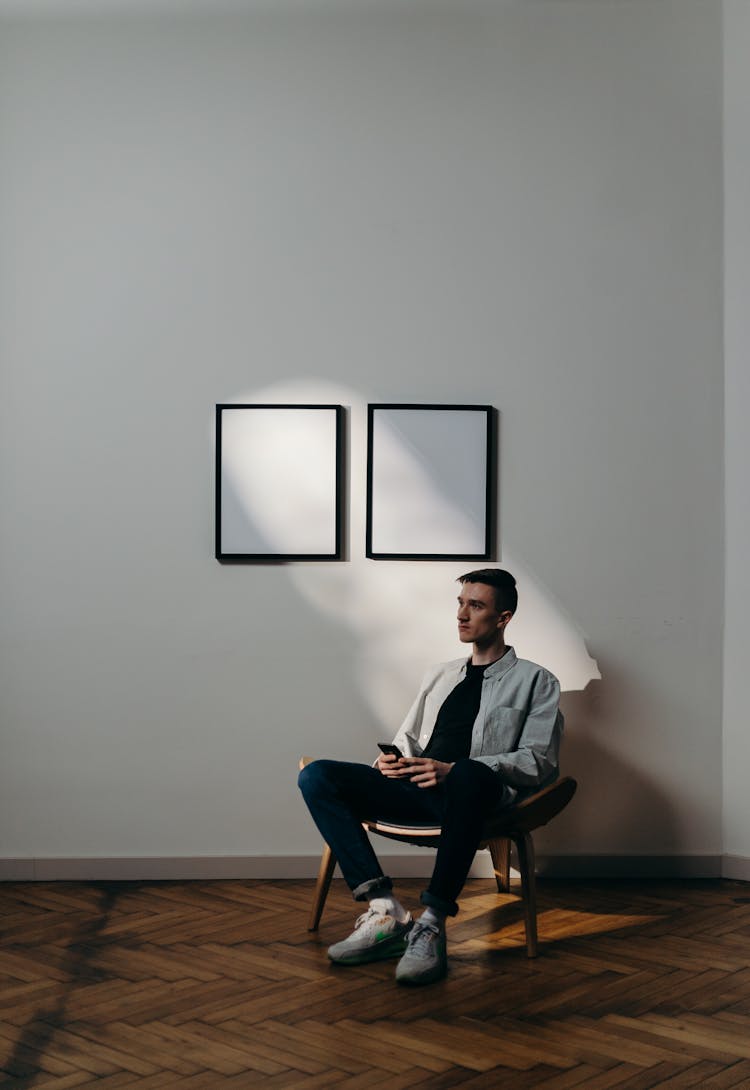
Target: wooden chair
(514, 826)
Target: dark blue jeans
(341, 795)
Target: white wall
(513, 204)
(736, 339)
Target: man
(481, 734)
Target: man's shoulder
(534, 669)
(445, 669)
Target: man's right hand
(394, 767)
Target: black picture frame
(292, 455)
(424, 463)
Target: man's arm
(534, 762)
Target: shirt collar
(497, 669)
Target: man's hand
(422, 771)
(425, 772)
(396, 768)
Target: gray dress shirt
(517, 730)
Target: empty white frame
(429, 486)
(278, 482)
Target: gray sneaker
(426, 958)
(375, 936)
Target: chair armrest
(537, 809)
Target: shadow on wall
(615, 802)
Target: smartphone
(388, 747)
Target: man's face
(478, 618)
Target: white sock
(387, 905)
(431, 915)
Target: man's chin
(464, 637)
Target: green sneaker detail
(374, 938)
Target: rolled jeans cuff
(371, 888)
(447, 908)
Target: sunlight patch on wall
(401, 614)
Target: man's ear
(505, 618)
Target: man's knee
(314, 777)
(325, 776)
(468, 778)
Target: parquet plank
(346, 1037)
(643, 1029)
(633, 998)
(527, 1040)
(693, 1076)
(75, 1081)
(299, 1037)
(294, 1080)
(34, 991)
(650, 1078)
(199, 1041)
(167, 1000)
(577, 1047)
(275, 1052)
(508, 1048)
(102, 1058)
(275, 999)
(147, 962)
(377, 999)
(418, 1040)
(582, 1077)
(276, 1038)
(730, 1078)
(371, 1031)
(638, 1049)
(102, 1003)
(152, 1047)
(19, 966)
(22, 1054)
(490, 1080)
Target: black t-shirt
(451, 738)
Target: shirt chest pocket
(502, 729)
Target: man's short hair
(502, 582)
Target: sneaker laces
(421, 935)
(366, 917)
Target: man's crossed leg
(341, 795)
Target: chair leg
(500, 853)
(526, 865)
(323, 884)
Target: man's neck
(485, 656)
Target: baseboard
(629, 866)
(416, 864)
(736, 866)
(158, 868)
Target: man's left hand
(428, 773)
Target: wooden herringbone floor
(206, 985)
